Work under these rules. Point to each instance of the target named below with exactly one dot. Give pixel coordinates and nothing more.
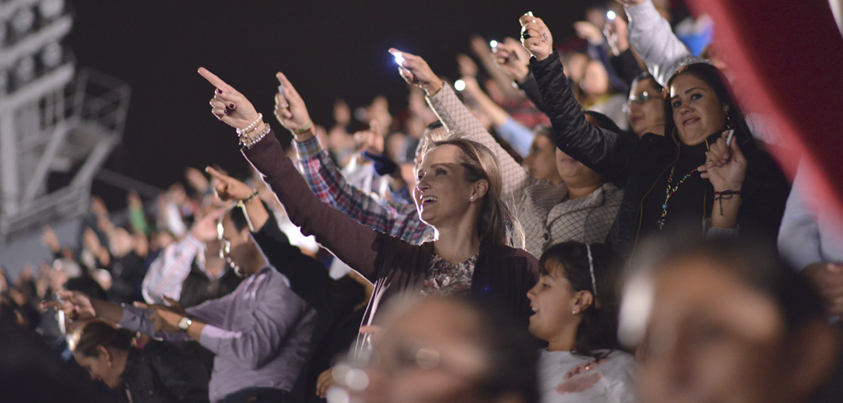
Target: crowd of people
(504, 238)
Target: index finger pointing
(213, 79)
(289, 89)
(216, 174)
(283, 80)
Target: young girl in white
(575, 309)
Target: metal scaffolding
(53, 119)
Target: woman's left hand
(725, 166)
(228, 105)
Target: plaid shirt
(325, 179)
(543, 210)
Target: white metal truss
(56, 120)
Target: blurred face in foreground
(429, 354)
(712, 338)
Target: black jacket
(161, 373)
(637, 166)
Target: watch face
(184, 323)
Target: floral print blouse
(445, 278)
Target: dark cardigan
(502, 274)
(162, 373)
(638, 166)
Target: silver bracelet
(248, 143)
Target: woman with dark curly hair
(705, 172)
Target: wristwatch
(184, 323)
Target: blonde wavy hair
(496, 224)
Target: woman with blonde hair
(458, 194)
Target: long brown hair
(495, 223)
(714, 78)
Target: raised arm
(167, 272)
(456, 117)
(79, 307)
(511, 57)
(650, 35)
(517, 135)
(330, 185)
(483, 51)
(623, 60)
(308, 278)
(605, 152)
(350, 241)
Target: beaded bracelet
(248, 143)
(242, 203)
(251, 126)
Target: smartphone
(284, 103)
(729, 138)
(399, 58)
(459, 85)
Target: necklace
(670, 190)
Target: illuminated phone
(284, 103)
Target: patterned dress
(445, 278)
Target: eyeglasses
(639, 100)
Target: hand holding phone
(283, 103)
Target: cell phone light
(493, 44)
(459, 85)
(399, 58)
(611, 15)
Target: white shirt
(565, 377)
(811, 231)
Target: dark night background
(329, 50)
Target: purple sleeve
(278, 311)
(137, 320)
(212, 311)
